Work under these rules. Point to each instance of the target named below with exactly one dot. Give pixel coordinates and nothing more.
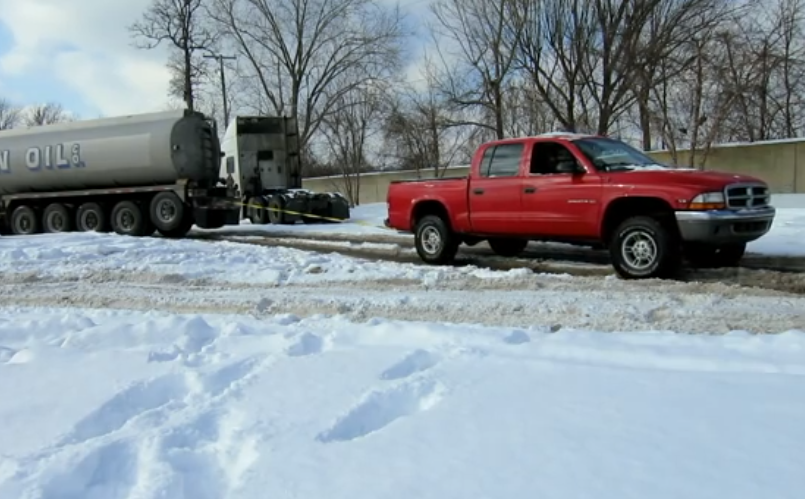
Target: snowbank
(787, 235)
(80, 253)
(112, 405)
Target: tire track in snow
(516, 301)
(540, 257)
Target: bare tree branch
(181, 24)
(299, 51)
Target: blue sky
(39, 85)
(79, 53)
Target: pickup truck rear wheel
(435, 242)
(642, 248)
(507, 247)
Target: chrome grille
(747, 196)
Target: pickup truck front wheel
(642, 248)
(435, 242)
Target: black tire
(91, 217)
(167, 212)
(128, 219)
(275, 206)
(507, 247)
(258, 214)
(25, 221)
(658, 245)
(435, 243)
(181, 231)
(56, 218)
(707, 256)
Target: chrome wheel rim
(431, 240)
(639, 250)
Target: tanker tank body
(132, 174)
(261, 160)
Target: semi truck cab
(261, 159)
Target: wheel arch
(427, 207)
(625, 207)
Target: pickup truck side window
(552, 158)
(502, 160)
(486, 160)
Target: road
(786, 274)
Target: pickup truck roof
(570, 136)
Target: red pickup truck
(588, 190)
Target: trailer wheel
(90, 217)
(24, 221)
(128, 219)
(56, 218)
(167, 212)
(180, 231)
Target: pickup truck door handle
(530, 190)
(477, 191)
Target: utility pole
(220, 58)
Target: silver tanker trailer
(261, 159)
(132, 174)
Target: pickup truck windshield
(613, 155)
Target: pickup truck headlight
(708, 201)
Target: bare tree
(298, 51)
(527, 112)
(766, 71)
(669, 26)
(790, 17)
(45, 114)
(348, 133)
(482, 36)
(592, 62)
(554, 52)
(420, 128)
(181, 24)
(9, 115)
(738, 78)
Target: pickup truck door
(494, 194)
(559, 197)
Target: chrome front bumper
(725, 226)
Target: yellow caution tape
(311, 215)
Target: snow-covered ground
(784, 239)
(104, 270)
(101, 404)
(145, 368)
